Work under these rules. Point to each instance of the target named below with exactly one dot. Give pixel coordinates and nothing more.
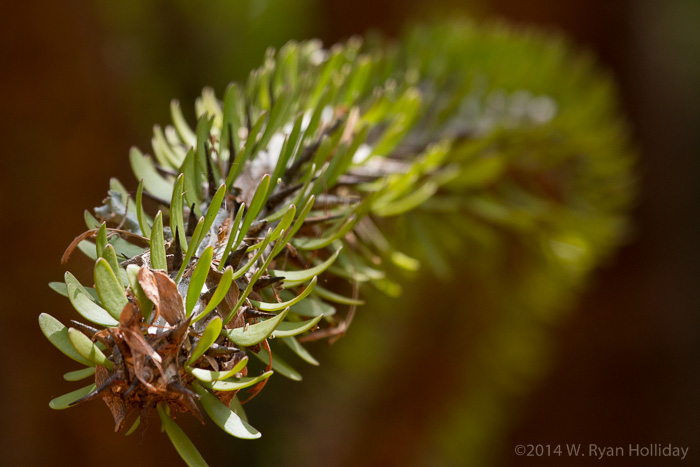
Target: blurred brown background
(83, 81)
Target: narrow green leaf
(254, 334)
(408, 202)
(219, 293)
(65, 401)
(233, 234)
(191, 248)
(83, 303)
(256, 205)
(318, 243)
(191, 182)
(337, 298)
(183, 129)
(101, 239)
(209, 376)
(158, 258)
(313, 307)
(110, 255)
(263, 306)
(279, 365)
(62, 289)
(235, 384)
(77, 375)
(213, 210)
(109, 288)
(294, 278)
(57, 334)
(287, 329)
(224, 417)
(182, 443)
(209, 336)
(177, 221)
(134, 425)
(140, 214)
(299, 349)
(197, 280)
(87, 349)
(230, 125)
(145, 170)
(88, 248)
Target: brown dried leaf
(162, 291)
(114, 402)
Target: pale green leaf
(87, 349)
(77, 375)
(83, 303)
(109, 288)
(279, 306)
(158, 258)
(235, 384)
(66, 400)
(57, 334)
(182, 443)
(197, 280)
(209, 336)
(224, 417)
(254, 334)
(288, 329)
(209, 376)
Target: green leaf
(298, 349)
(182, 443)
(101, 239)
(318, 243)
(192, 183)
(62, 289)
(256, 205)
(90, 220)
(158, 258)
(256, 333)
(57, 334)
(288, 329)
(183, 129)
(411, 201)
(233, 234)
(192, 248)
(87, 349)
(230, 125)
(213, 210)
(224, 417)
(209, 336)
(209, 376)
(294, 278)
(110, 255)
(279, 365)
(313, 307)
(88, 249)
(109, 288)
(219, 294)
(83, 303)
(177, 221)
(197, 280)
(337, 298)
(77, 375)
(134, 425)
(140, 214)
(145, 170)
(235, 384)
(66, 400)
(263, 306)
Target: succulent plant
(296, 180)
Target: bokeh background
(80, 82)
